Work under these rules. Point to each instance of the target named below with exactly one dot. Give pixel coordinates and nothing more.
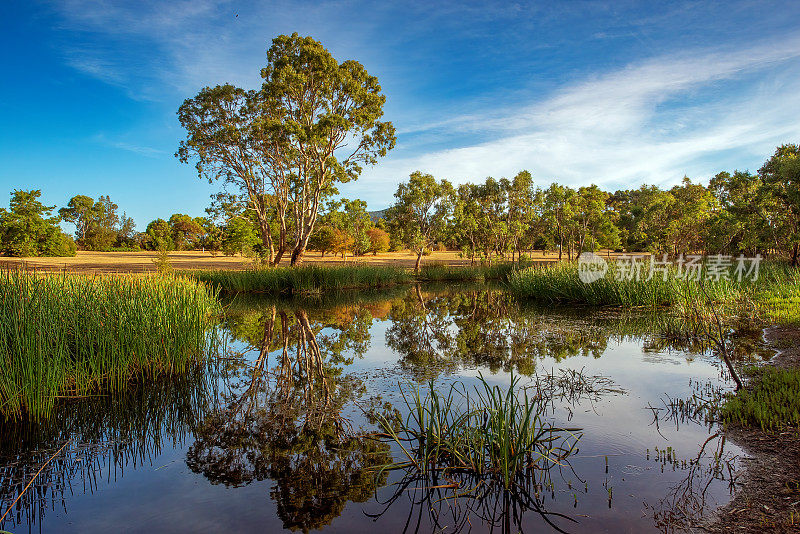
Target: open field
(137, 262)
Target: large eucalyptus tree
(313, 124)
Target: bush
(301, 280)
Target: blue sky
(613, 93)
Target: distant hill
(375, 215)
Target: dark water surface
(261, 439)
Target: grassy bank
(68, 336)
(307, 279)
(313, 279)
(771, 400)
(776, 293)
(469, 273)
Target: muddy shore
(768, 492)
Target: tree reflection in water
(285, 422)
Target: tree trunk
(419, 260)
(297, 255)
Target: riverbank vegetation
(770, 402)
(69, 336)
(773, 293)
(314, 279)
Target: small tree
(159, 235)
(420, 214)
(378, 240)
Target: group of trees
(29, 228)
(97, 224)
(739, 213)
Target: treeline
(738, 213)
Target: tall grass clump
(301, 280)
(491, 432)
(560, 283)
(67, 336)
(771, 401)
(439, 272)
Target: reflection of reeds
(68, 336)
(486, 454)
(105, 434)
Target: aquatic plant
(69, 336)
(439, 272)
(493, 433)
(773, 295)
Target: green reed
(68, 336)
(491, 432)
(307, 279)
(776, 288)
(439, 272)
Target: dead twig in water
(33, 479)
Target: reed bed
(774, 293)
(491, 432)
(307, 279)
(438, 272)
(71, 336)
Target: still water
(265, 438)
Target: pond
(269, 435)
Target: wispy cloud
(146, 151)
(648, 122)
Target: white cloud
(146, 151)
(651, 122)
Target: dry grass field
(139, 262)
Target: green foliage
(29, 229)
(185, 231)
(101, 333)
(314, 123)
(97, 225)
(159, 235)
(770, 402)
(239, 237)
